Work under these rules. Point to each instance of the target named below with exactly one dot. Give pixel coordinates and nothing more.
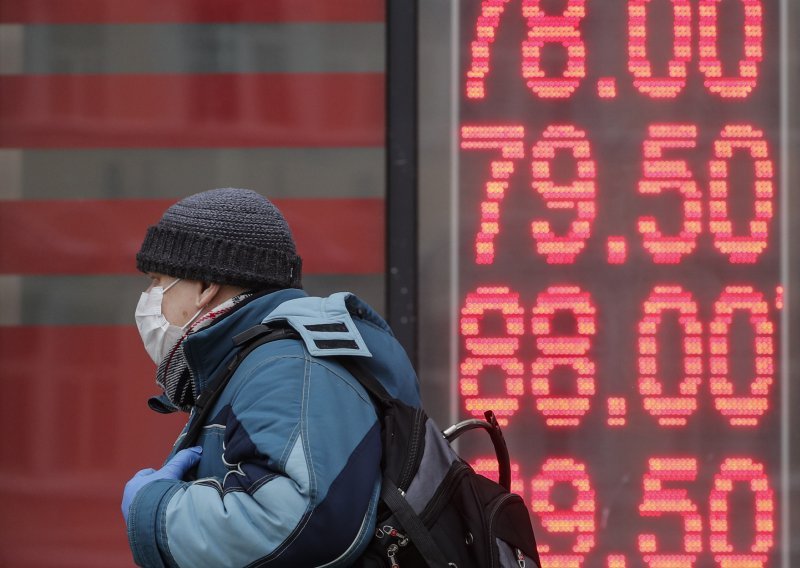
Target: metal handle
(499, 443)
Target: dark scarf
(174, 375)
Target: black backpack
(435, 510)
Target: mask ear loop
(171, 285)
(188, 324)
(186, 327)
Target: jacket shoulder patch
(324, 324)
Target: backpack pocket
(472, 520)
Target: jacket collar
(213, 346)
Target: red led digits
(688, 512)
(509, 141)
(745, 81)
(670, 410)
(741, 410)
(543, 29)
(726, 555)
(578, 519)
(578, 196)
(563, 29)
(639, 64)
(492, 351)
(658, 500)
(741, 249)
(563, 351)
(661, 174)
(480, 48)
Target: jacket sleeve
(302, 452)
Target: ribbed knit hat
(225, 236)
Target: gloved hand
(175, 468)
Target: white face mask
(158, 335)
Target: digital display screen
(619, 277)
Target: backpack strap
(413, 526)
(248, 341)
(368, 381)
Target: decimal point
(617, 410)
(616, 561)
(617, 250)
(607, 88)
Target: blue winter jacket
(290, 470)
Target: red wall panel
(210, 111)
(75, 428)
(162, 11)
(334, 236)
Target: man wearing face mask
(286, 469)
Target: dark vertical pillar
(401, 171)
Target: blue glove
(175, 468)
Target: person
(286, 471)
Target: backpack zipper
(442, 495)
(414, 455)
(501, 502)
(391, 552)
(520, 558)
(393, 548)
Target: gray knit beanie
(224, 236)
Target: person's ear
(208, 292)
